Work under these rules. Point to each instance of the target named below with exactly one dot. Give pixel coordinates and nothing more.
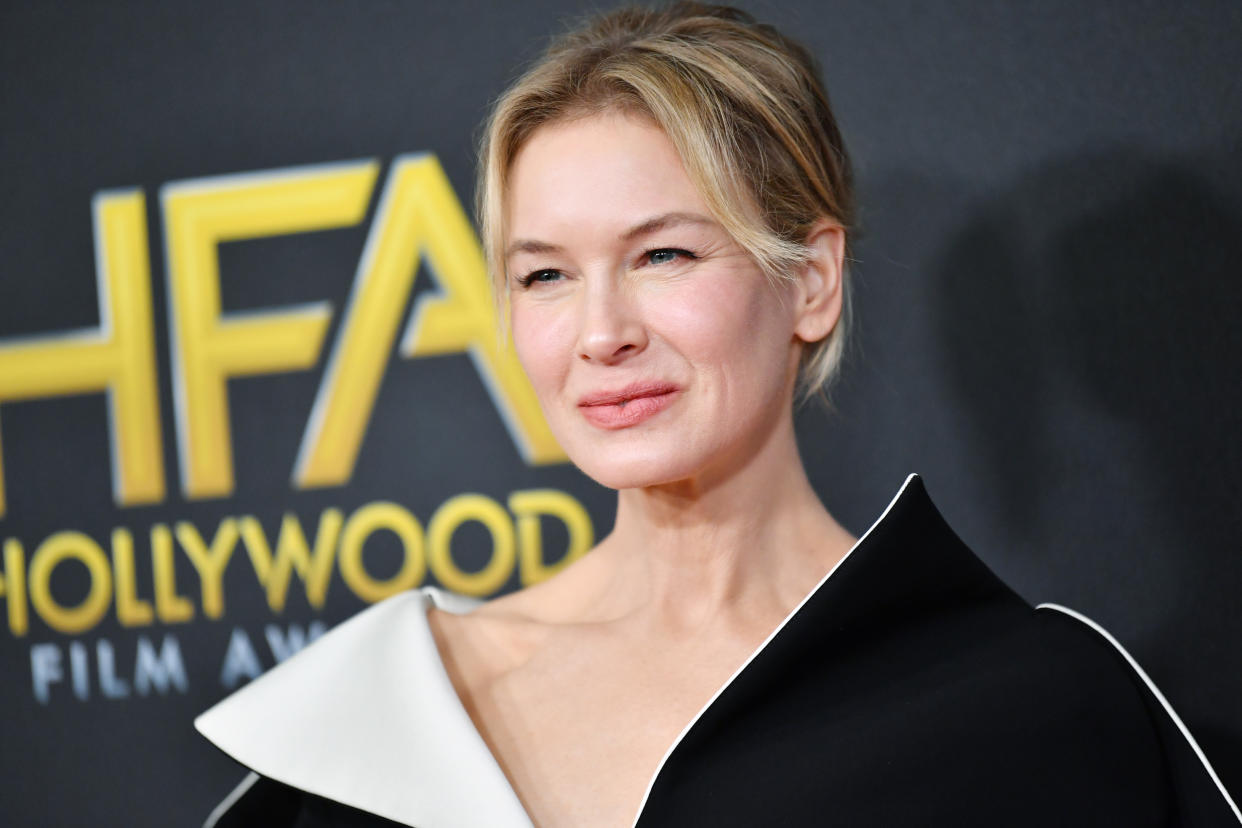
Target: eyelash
(532, 277)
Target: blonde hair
(743, 105)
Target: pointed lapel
(368, 717)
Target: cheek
(544, 341)
(735, 329)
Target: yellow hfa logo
(418, 218)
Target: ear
(819, 293)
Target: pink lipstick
(628, 406)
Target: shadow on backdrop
(1108, 285)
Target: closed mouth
(626, 407)
(623, 396)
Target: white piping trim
(1155, 691)
(760, 648)
(230, 800)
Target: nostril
(610, 339)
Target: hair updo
(743, 105)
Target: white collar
(373, 687)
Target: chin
(636, 467)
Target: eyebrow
(663, 222)
(643, 228)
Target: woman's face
(658, 349)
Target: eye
(545, 275)
(668, 255)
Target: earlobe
(820, 293)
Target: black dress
(911, 687)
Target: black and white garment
(910, 687)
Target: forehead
(601, 172)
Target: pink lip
(628, 406)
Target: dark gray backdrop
(1047, 287)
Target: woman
(666, 205)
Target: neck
(742, 545)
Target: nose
(612, 328)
